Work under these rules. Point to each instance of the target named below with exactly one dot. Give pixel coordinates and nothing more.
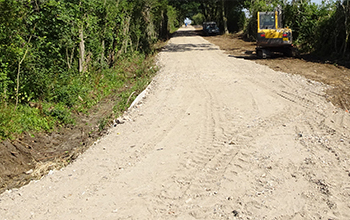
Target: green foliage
(212, 10)
(122, 104)
(142, 72)
(23, 119)
(334, 30)
(303, 18)
(198, 18)
(173, 23)
(321, 29)
(103, 122)
(59, 37)
(59, 112)
(110, 29)
(33, 119)
(7, 124)
(130, 76)
(235, 16)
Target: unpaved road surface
(335, 73)
(215, 137)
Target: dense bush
(69, 52)
(198, 19)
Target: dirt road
(215, 137)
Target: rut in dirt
(215, 137)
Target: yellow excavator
(272, 37)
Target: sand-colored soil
(215, 137)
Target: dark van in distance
(210, 28)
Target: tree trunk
(103, 51)
(69, 58)
(81, 51)
(224, 16)
(103, 40)
(19, 70)
(347, 31)
(125, 42)
(4, 97)
(205, 11)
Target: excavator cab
(269, 20)
(271, 36)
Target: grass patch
(77, 94)
(25, 118)
(103, 122)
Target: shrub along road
(215, 137)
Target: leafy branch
(19, 68)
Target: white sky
(317, 1)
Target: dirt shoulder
(336, 75)
(33, 155)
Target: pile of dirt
(32, 156)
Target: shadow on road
(186, 33)
(188, 47)
(250, 55)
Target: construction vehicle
(272, 38)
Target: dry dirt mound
(30, 156)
